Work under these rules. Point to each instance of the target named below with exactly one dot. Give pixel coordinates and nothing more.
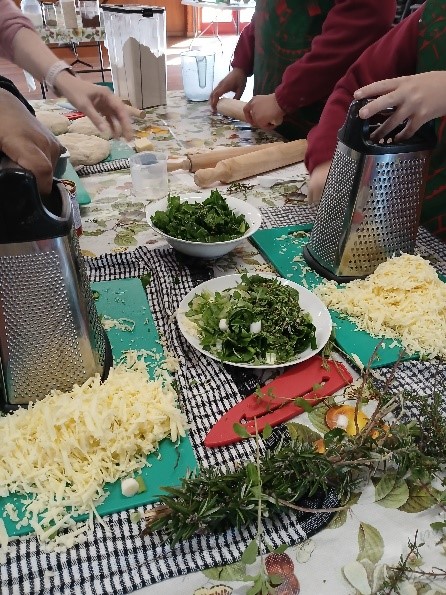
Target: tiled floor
(223, 48)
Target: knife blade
(312, 380)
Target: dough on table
(86, 126)
(57, 123)
(84, 149)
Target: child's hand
(317, 181)
(235, 81)
(417, 99)
(263, 111)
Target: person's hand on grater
(316, 182)
(416, 99)
(26, 141)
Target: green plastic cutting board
(83, 198)
(280, 247)
(119, 150)
(127, 299)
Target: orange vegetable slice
(343, 416)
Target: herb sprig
(209, 221)
(215, 500)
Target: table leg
(195, 20)
(237, 22)
(216, 33)
(101, 60)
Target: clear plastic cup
(149, 175)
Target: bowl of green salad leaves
(254, 320)
(203, 226)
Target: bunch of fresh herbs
(215, 500)
(283, 329)
(209, 221)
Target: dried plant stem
(311, 510)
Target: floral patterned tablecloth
(62, 35)
(115, 219)
(368, 535)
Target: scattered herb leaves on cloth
(209, 221)
(285, 329)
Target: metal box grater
(371, 203)
(50, 333)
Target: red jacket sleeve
(244, 50)
(393, 55)
(349, 28)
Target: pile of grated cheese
(63, 449)
(403, 299)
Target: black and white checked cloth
(116, 559)
(103, 167)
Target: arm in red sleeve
(393, 55)
(350, 27)
(244, 50)
(11, 21)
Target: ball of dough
(86, 126)
(84, 149)
(57, 123)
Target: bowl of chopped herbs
(203, 226)
(254, 320)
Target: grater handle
(24, 215)
(355, 134)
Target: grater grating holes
(98, 332)
(55, 347)
(390, 211)
(330, 216)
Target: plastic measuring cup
(197, 67)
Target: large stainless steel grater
(50, 333)
(371, 203)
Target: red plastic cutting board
(312, 380)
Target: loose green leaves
(208, 221)
(267, 431)
(250, 554)
(241, 431)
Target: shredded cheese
(403, 299)
(4, 539)
(122, 324)
(60, 451)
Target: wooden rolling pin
(233, 108)
(195, 161)
(134, 111)
(245, 166)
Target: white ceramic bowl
(308, 301)
(205, 249)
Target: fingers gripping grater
(371, 203)
(51, 336)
